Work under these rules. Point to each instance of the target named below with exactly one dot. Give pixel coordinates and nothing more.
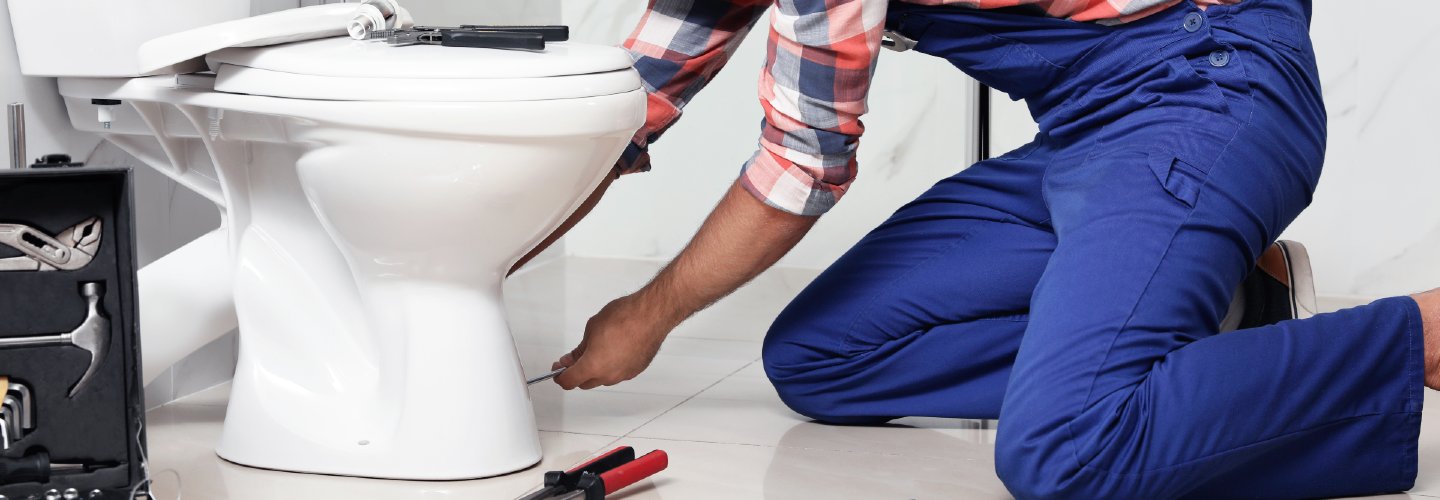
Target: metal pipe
(982, 122)
(18, 158)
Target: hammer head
(93, 334)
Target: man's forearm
(741, 238)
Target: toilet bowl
(373, 199)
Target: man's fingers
(569, 358)
(564, 379)
(564, 362)
(575, 375)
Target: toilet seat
(349, 70)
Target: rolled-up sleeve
(820, 59)
(678, 48)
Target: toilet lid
(354, 70)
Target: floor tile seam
(802, 448)
(591, 434)
(686, 400)
(174, 404)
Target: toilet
(373, 199)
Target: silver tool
(520, 37)
(27, 404)
(16, 114)
(10, 413)
(72, 249)
(71, 494)
(4, 432)
(93, 335)
(544, 377)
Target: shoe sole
(1303, 303)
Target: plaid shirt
(820, 57)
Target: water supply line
(377, 15)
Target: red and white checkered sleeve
(813, 89)
(678, 47)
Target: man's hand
(740, 238)
(620, 341)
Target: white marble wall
(916, 133)
(1373, 230)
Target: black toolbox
(102, 425)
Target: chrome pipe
(18, 159)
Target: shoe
(1280, 288)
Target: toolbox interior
(100, 424)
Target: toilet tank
(101, 38)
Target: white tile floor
(704, 400)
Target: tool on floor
(16, 115)
(93, 335)
(475, 36)
(37, 468)
(545, 377)
(72, 249)
(601, 476)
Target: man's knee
(1043, 464)
(1019, 465)
(808, 379)
(802, 393)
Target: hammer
(93, 335)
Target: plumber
(1074, 288)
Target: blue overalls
(1073, 287)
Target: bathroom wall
(48, 129)
(1373, 230)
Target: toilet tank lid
(347, 58)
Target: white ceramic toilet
(373, 198)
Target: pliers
(72, 249)
(601, 476)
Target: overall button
(1219, 58)
(1193, 21)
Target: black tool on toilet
(475, 36)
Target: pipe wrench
(70, 250)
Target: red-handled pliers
(600, 476)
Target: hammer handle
(39, 341)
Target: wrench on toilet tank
(93, 335)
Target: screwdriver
(544, 377)
(36, 468)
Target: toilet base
(454, 407)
